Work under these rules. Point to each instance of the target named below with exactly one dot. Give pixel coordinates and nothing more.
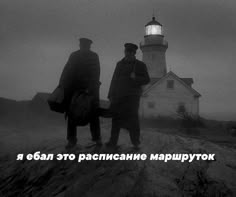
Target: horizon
(37, 38)
(218, 116)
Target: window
(170, 84)
(151, 104)
(181, 108)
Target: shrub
(191, 121)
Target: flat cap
(131, 46)
(85, 41)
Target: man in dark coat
(125, 90)
(82, 73)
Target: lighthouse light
(153, 30)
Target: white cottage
(167, 94)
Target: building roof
(187, 82)
(42, 96)
(153, 22)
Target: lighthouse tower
(154, 48)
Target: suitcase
(56, 100)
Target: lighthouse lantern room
(153, 28)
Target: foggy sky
(36, 38)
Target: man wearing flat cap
(82, 73)
(124, 94)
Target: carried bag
(105, 112)
(81, 108)
(56, 100)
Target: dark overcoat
(122, 84)
(81, 72)
(125, 91)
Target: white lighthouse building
(154, 49)
(167, 94)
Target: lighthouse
(154, 49)
(167, 95)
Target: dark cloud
(37, 36)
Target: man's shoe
(136, 147)
(108, 144)
(70, 145)
(99, 142)
(111, 145)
